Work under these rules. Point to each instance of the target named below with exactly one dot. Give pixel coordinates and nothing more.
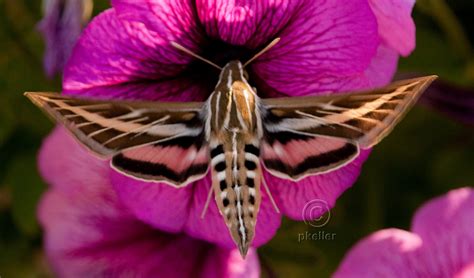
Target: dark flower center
(219, 53)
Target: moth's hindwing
(295, 156)
(173, 162)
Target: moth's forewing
(144, 134)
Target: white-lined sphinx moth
(233, 133)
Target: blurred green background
(426, 155)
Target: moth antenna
(270, 194)
(270, 45)
(187, 51)
(208, 200)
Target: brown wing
(312, 135)
(364, 117)
(108, 127)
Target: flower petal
(232, 265)
(109, 242)
(65, 164)
(441, 245)
(386, 253)
(451, 100)
(455, 210)
(249, 23)
(383, 66)
(169, 20)
(157, 204)
(61, 26)
(120, 58)
(446, 225)
(396, 26)
(325, 42)
(89, 233)
(292, 197)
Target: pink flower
(451, 100)
(61, 26)
(441, 243)
(325, 46)
(88, 232)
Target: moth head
(233, 70)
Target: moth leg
(269, 194)
(208, 200)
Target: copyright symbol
(316, 213)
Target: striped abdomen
(236, 181)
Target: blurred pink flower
(88, 232)
(337, 45)
(441, 243)
(61, 26)
(451, 100)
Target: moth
(234, 134)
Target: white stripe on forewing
(132, 114)
(336, 118)
(92, 134)
(139, 131)
(165, 130)
(321, 120)
(367, 107)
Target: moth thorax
(233, 102)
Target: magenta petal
(396, 26)
(65, 164)
(157, 204)
(446, 225)
(127, 57)
(455, 210)
(212, 228)
(169, 20)
(441, 244)
(89, 234)
(387, 253)
(454, 101)
(233, 265)
(325, 42)
(176, 89)
(250, 23)
(292, 197)
(383, 66)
